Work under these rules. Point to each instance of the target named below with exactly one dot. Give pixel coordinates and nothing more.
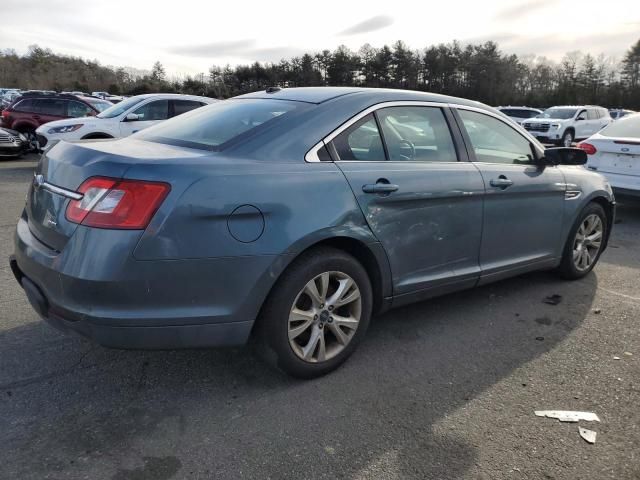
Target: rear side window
(416, 134)
(494, 141)
(24, 106)
(361, 141)
(78, 109)
(213, 126)
(158, 110)
(184, 106)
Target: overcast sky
(188, 36)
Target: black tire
(568, 268)
(568, 134)
(272, 328)
(32, 139)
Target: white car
(122, 119)
(519, 114)
(615, 152)
(562, 125)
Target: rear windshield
(627, 127)
(213, 126)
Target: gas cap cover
(246, 223)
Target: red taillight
(119, 204)
(587, 147)
(5, 114)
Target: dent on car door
(422, 204)
(523, 207)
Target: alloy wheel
(567, 140)
(324, 317)
(587, 242)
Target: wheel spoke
(348, 322)
(341, 337)
(344, 294)
(311, 289)
(297, 315)
(310, 347)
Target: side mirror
(580, 118)
(132, 117)
(564, 156)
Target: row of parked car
(562, 125)
(35, 120)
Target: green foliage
(480, 72)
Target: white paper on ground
(568, 415)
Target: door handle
(501, 182)
(379, 188)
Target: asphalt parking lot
(445, 389)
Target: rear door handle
(379, 188)
(501, 182)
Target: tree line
(478, 71)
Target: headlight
(555, 125)
(22, 137)
(65, 129)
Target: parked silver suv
(562, 125)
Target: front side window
(78, 109)
(415, 133)
(494, 141)
(361, 141)
(592, 114)
(51, 106)
(158, 110)
(582, 115)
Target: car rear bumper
(140, 304)
(623, 184)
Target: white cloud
(191, 35)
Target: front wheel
(567, 139)
(317, 313)
(585, 242)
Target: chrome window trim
(312, 155)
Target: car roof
(319, 95)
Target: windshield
(100, 105)
(558, 113)
(627, 127)
(120, 108)
(208, 128)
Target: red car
(29, 111)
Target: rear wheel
(317, 313)
(585, 242)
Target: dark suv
(29, 111)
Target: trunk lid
(616, 155)
(67, 166)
